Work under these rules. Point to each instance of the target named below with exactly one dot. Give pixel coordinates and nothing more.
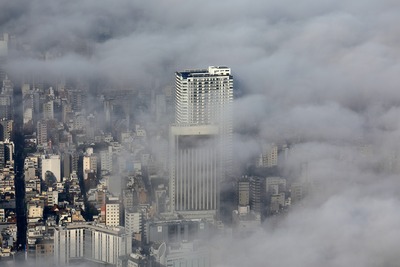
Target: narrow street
(18, 140)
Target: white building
(200, 140)
(133, 222)
(195, 168)
(203, 96)
(92, 242)
(89, 163)
(51, 164)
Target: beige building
(89, 163)
(35, 212)
(113, 214)
(44, 251)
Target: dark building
(257, 194)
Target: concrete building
(128, 198)
(175, 231)
(44, 252)
(296, 192)
(2, 215)
(277, 202)
(52, 197)
(203, 96)
(275, 185)
(35, 211)
(87, 241)
(113, 213)
(200, 140)
(243, 192)
(89, 163)
(187, 254)
(269, 156)
(6, 129)
(51, 164)
(41, 133)
(257, 194)
(106, 160)
(77, 98)
(6, 154)
(66, 166)
(48, 110)
(133, 221)
(6, 107)
(195, 169)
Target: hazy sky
(321, 71)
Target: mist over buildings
(322, 76)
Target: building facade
(200, 140)
(113, 214)
(86, 241)
(202, 96)
(51, 164)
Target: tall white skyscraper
(203, 96)
(200, 139)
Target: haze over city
(300, 148)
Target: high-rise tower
(203, 96)
(200, 139)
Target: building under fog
(4, 45)
(177, 231)
(200, 140)
(181, 254)
(195, 169)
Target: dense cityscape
(81, 182)
(168, 133)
